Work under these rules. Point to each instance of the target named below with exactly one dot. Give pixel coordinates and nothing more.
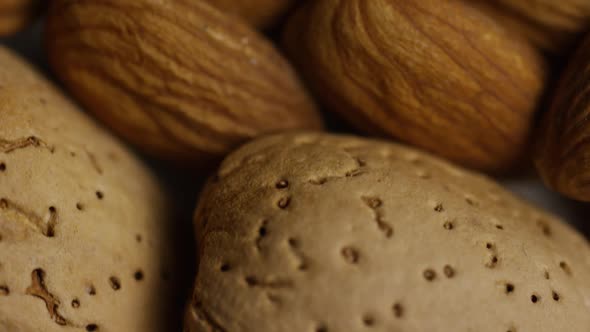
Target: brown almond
(437, 74)
(553, 25)
(17, 14)
(563, 151)
(260, 13)
(179, 79)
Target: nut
(354, 274)
(16, 14)
(180, 79)
(563, 151)
(437, 74)
(259, 13)
(79, 216)
(551, 25)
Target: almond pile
(331, 161)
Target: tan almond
(438, 74)
(84, 225)
(179, 79)
(377, 237)
(563, 151)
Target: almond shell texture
(83, 224)
(317, 232)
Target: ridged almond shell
(438, 74)
(179, 79)
(553, 25)
(259, 13)
(17, 14)
(563, 150)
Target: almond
(438, 74)
(180, 79)
(563, 152)
(16, 14)
(377, 237)
(260, 13)
(551, 25)
(84, 225)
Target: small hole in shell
(321, 328)
(368, 320)
(293, 242)
(99, 194)
(372, 202)
(91, 327)
(251, 281)
(535, 298)
(2, 167)
(449, 271)
(509, 288)
(555, 296)
(350, 255)
(283, 184)
(80, 206)
(284, 202)
(565, 267)
(470, 201)
(115, 283)
(544, 228)
(449, 225)
(429, 274)
(75, 303)
(398, 310)
(492, 262)
(138, 275)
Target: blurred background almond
(17, 14)
(563, 151)
(552, 25)
(259, 13)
